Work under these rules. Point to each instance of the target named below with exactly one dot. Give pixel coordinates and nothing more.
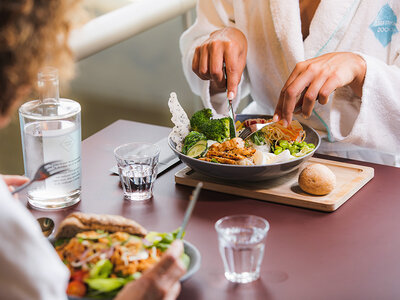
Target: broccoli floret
(200, 118)
(218, 130)
(192, 138)
(214, 129)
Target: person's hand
(315, 79)
(160, 282)
(14, 180)
(229, 46)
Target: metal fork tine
(248, 132)
(48, 168)
(55, 172)
(245, 133)
(52, 169)
(254, 128)
(51, 164)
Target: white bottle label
(65, 145)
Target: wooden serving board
(349, 179)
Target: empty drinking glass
(137, 168)
(241, 244)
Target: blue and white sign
(384, 25)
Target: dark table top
(352, 253)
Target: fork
(45, 171)
(189, 209)
(253, 128)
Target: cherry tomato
(79, 275)
(76, 288)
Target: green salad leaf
(106, 284)
(186, 260)
(191, 139)
(161, 240)
(102, 269)
(258, 138)
(60, 242)
(100, 286)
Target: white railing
(123, 23)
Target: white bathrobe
(366, 128)
(29, 266)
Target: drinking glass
(137, 168)
(241, 244)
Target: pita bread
(79, 222)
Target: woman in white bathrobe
(342, 55)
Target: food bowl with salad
(211, 148)
(105, 252)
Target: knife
(230, 108)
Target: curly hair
(33, 34)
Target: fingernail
(305, 116)
(285, 123)
(231, 95)
(275, 118)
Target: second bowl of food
(274, 152)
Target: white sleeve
(211, 16)
(30, 267)
(373, 120)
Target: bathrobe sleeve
(30, 267)
(374, 120)
(211, 16)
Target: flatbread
(180, 120)
(79, 222)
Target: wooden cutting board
(349, 179)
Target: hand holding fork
(45, 171)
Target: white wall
(138, 73)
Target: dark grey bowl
(249, 173)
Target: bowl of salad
(211, 148)
(105, 252)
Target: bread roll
(317, 179)
(79, 222)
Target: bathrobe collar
(323, 37)
(287, 24)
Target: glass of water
(241, 244)
(137, 168)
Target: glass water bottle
(51, 131)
